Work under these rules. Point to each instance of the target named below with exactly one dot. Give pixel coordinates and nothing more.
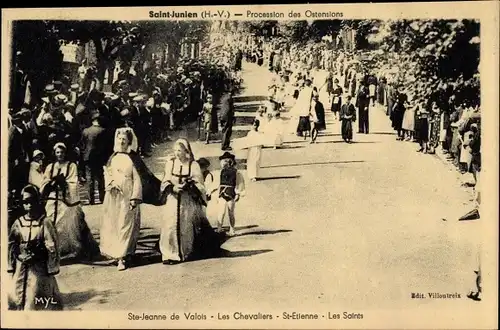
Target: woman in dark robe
(347, 116)
(398, 114)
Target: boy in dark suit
(93, 150)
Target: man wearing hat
(227, 118)
(93, 149)
(142, 125)
(231, 185)
(18, 155)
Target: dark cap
(227, 155)
(203, 162)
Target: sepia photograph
(194, 171)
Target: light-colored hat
(50, 89)
(60, 145)
(38, 153)
(139, 98)
(61, 99)
(111, 96)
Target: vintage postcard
(287, 166)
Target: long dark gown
(346, 129)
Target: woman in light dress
(409, 122)
(36, 174)
(254, 152)
(33, 258)
(60, 189)
(121, 220)
(186, 233)
(302, 108)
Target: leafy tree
(113, 40)
(437, 56)
(295, 31)
(172, 34)
(321, 28)
(40, 57)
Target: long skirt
(33, 289)
(336, 106)
(456, 144)
(120, 226)
(422, 129)
(186, 233)
(253, 162)
(346, 129)
(304, 124)
(75, 237)
(397, 120)
(409, 120)
(466, 157)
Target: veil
(133, 146)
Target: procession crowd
(443, 122)
(77, 127)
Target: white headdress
(127, 131)
(187, 146)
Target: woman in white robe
(121, 220)
(254, 151)
(185, 232)
(60, 190)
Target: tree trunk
(174, 52)
(101, 62)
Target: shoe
(231, 233)
(121, 265)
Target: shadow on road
(238, 254)
(251, 98)
(315, 163)
(286, 147)
(279, 177)
(265, 232)
(352, 142)
(74, 299)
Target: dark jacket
(93, 145)
(226, 109)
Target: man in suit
(363, 104)
(18, 156)
(93, 147)
(227, 118)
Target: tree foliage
(40, 58)
(437, 56)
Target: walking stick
(199, 127)
(56, 202)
